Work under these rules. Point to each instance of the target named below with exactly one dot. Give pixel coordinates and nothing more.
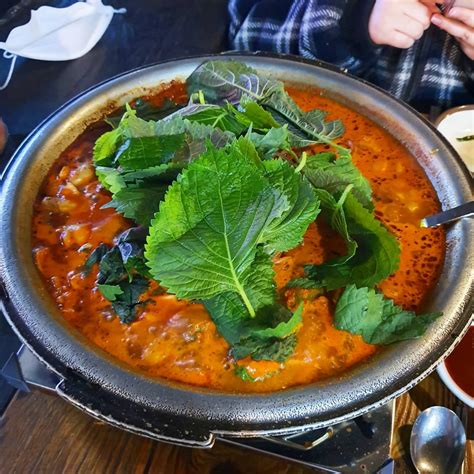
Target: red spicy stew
(176, 339)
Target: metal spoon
(438, 442)
(464, 210)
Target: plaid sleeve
(468, 65)
(448, 76)
(335, 31)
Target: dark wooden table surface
(41, 433)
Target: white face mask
(58, 34)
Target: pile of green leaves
(139, 159)
(214, 235)
(219, 188)
(346, 201)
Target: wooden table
(41, 433)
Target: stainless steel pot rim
(237, 55)
(314, 405)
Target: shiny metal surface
(24, 370)
(361, 445)
(438, 442)
(290, 440)
(451, 215)
(179, 413)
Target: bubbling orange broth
(176, 339)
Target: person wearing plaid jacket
(407, 47)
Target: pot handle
(290, 440)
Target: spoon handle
(464, 210)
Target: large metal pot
(174, 412)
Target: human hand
(3, 135)
(400, 23)
(459, 23)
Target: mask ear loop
(8, 55)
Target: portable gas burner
(359, 445)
